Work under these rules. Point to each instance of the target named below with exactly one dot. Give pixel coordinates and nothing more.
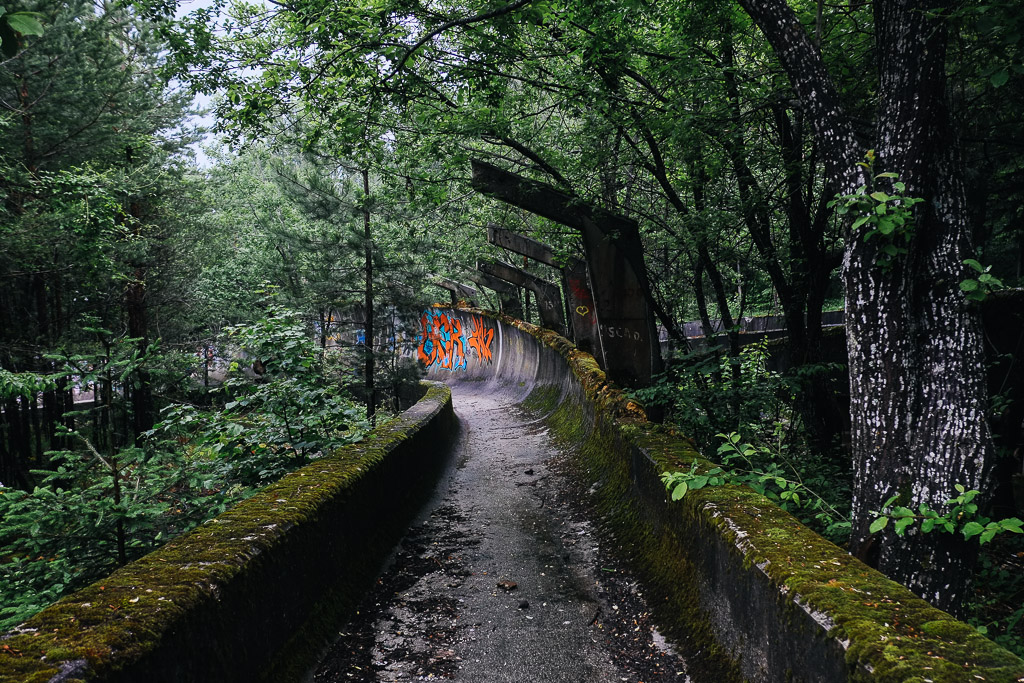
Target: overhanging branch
(483, 16)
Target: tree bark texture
(142, 406)
(918, 396)
(369, 370)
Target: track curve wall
(745, 590)
(256, 593)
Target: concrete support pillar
(630, 352)
(549, 301)
(458, 290)
(508, 294)
(580, 309)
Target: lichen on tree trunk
(917, 392)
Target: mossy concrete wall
(745, 590)
(255, 593)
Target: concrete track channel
(504, 578)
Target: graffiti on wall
(581, 294)
(445, 343)
(442, 343)
(480, 339)
(620, 332)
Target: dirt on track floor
(505, 579)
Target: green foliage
(962, 516)
(398, 381)
(14, 25)
(708, 394)
(772, 472)
(65, 532)
(93, 510)
(89, 223)
(983, 283)
(24, 384)
(999, 25)
(672, 113)
(116, 360)
(741, 396)
(267, 424)
(887, 218)
(996, 609)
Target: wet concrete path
(505, 579)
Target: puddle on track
(504, 580)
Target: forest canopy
(778, 158)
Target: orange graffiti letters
(480, 339)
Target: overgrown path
(505, 579)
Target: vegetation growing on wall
(97, 506)
(726, 131)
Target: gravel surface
(505, 579)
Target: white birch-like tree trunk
(917, 390)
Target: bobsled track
(511, 526)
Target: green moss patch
(745, 589)
(253, 593)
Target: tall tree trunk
(21, 432)
(936, 379)
(371, 398)
(142, 406)
(809, 266)
(35, 424)
(28, 139)
(918, 397)
(702, 301)
(707, 264)
(13, 466)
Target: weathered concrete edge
(252, 593)
(781, 602)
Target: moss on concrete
(827, 602)
(205, 605)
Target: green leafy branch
(888, 218)
(983, 284)
(776, 479)
(681, 483)
(962, 516)
(24, 384)
(14, 25)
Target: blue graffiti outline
(447, 338)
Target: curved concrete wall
(466, 346)
(255, 593)
(747, 592)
